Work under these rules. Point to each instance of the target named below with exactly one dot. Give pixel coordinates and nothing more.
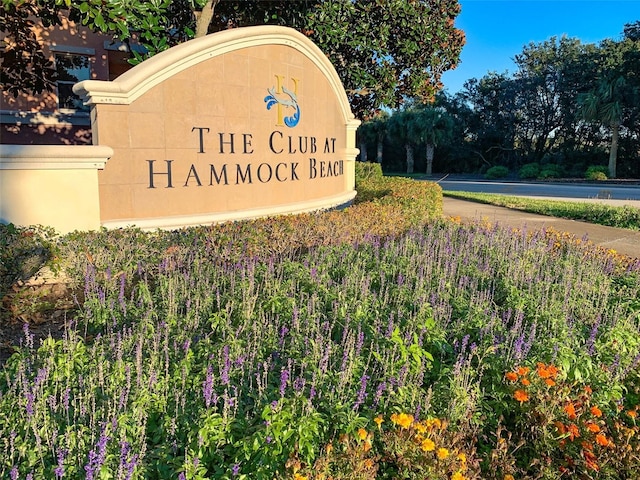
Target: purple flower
(207, 387)
(235, 470)
(284, 379)
(97, 457)
(362, 393)
(59, 470)
(14, 473)
(224, 375)
(378, 395)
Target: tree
(545, 93)
(494, 118)
(604, 104)
(402, 126)
(432, 126)
(373, 131)
(383, 51)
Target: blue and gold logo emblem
(286, 101)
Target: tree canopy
(384, 51)
(568, 106)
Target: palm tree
(380, 131)
(373, 131)
(604, 104)
(432, 126)
(402, 126)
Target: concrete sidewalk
(626, 242)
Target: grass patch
(621, 217)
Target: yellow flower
(434, 422)
(457, 476)
(462, 457)
(362, 433)
(428, 445)
(297, 476)
(508, 476)
(420, 427)
(403, 419)
(378, 420)
(442, 453)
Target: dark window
(71, 70)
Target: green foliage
(367, 171)
(497, 171)
(551, 170)
(597, 172)
(23, 251)
(377, 70)
(529, 170)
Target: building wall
(36, 119)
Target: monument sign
(238, 124)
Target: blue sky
(497, 30)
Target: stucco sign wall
(238, 124)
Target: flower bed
(342, 345)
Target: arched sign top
(136, 82)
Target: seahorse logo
(275, 98)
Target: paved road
(564, 190)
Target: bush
(497, 172)
(551, 171)
(597, 172)
(529, 170)
(365, 170)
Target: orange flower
(602, 440)
(521, 396)
(592, 427)
(549, 382)
(574, 432)
(596, 412)
(570, 410)
(545, 371)
(592, 465)
(526, 382)
(632, 413)
(588, 390)
(522, 371)
(561, 428)
(367, 445)
(511, 376)
(590, 460)
(362, 433)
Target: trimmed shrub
(366, 170)
(551, 171)
(497, 172)
(529, 170)
(597, 172)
